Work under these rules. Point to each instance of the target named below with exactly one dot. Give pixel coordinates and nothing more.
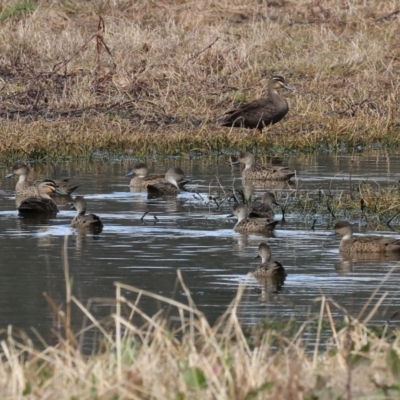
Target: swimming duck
(262, 112)
(262, 172)
(26, 188)
(268, 268)
(364, 244)
(142, 178)
(83, 220)
(44, 203)
(264, 210)
(174, 182)
(256, 225)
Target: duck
(262, 172)
(173, 183)
(142, 178)
(44, 203)
(26, 188)
(83, 220)
(268, 268)
(264, 210)
(364, 244)
(250, 225)
(260, 113)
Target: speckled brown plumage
(263, 172)
(27, 188)
(364, 244)
(173, 183)
(251, 225)
(142, 178)
(264, 210)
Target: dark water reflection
(189, 234)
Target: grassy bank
(145, 357)
(153, 76)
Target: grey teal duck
(364, 244)
(268, 268)
(174, 182)
(83, 220)
(44, 203)
(142, 178)
(264, 210)
(250, 225)
(26, 188)
(262, 112)
(263, 172)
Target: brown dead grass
(153, 76)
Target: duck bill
(61, 192)
(288, 87)
(72, 207)
(230, 216)
(10, 175)
(131, 173)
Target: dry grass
(153, 76)
(192, 360)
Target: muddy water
(189, 233)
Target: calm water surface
(190, 234)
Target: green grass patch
(17, 9)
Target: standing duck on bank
(364, 244)
(173, 183)
(26, 188)
(262, 172)
(83, 220)
(44, 203)
(250, 225)
(142, 178)
(268, 268)
(262, 112)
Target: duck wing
(152, 177)
(253, 110)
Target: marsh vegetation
(185, 358)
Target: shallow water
(191, 234)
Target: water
(190, 234)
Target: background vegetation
(143, 77)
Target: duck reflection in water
(351, 262)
